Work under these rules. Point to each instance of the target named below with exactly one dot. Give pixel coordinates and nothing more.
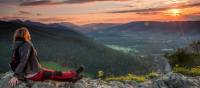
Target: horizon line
(100, 22)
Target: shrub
(100, 74)
(152, 75)
(194, 71)
(180, 57)
(186, 57)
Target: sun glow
(176, 1)
(174, 12)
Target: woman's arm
(24, 53)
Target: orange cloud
(102, 11)
(50, 2)
(156, 8)
(25, 12)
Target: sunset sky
(99, 11)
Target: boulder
(170, 80)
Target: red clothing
(66, 76)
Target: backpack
(15, 59)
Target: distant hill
(188, 27)
(98, 26)
(85, 28)
(67, 24)
(64, 45)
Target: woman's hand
(13, 81)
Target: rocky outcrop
(170, 80)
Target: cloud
(193, 17)
(50, 2)
(198, 13)
(40, 19)
(9, 1)
(156, 9)
(86, 1)
(25, 12)
(190, 5)
(149, 13)
(50, 19)
(35, 3)
(139, 10)
(11, 17)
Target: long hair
(22, 34)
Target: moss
(129, 77)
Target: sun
(174, 12)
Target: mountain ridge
(156, 26)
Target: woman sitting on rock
(25, 64)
